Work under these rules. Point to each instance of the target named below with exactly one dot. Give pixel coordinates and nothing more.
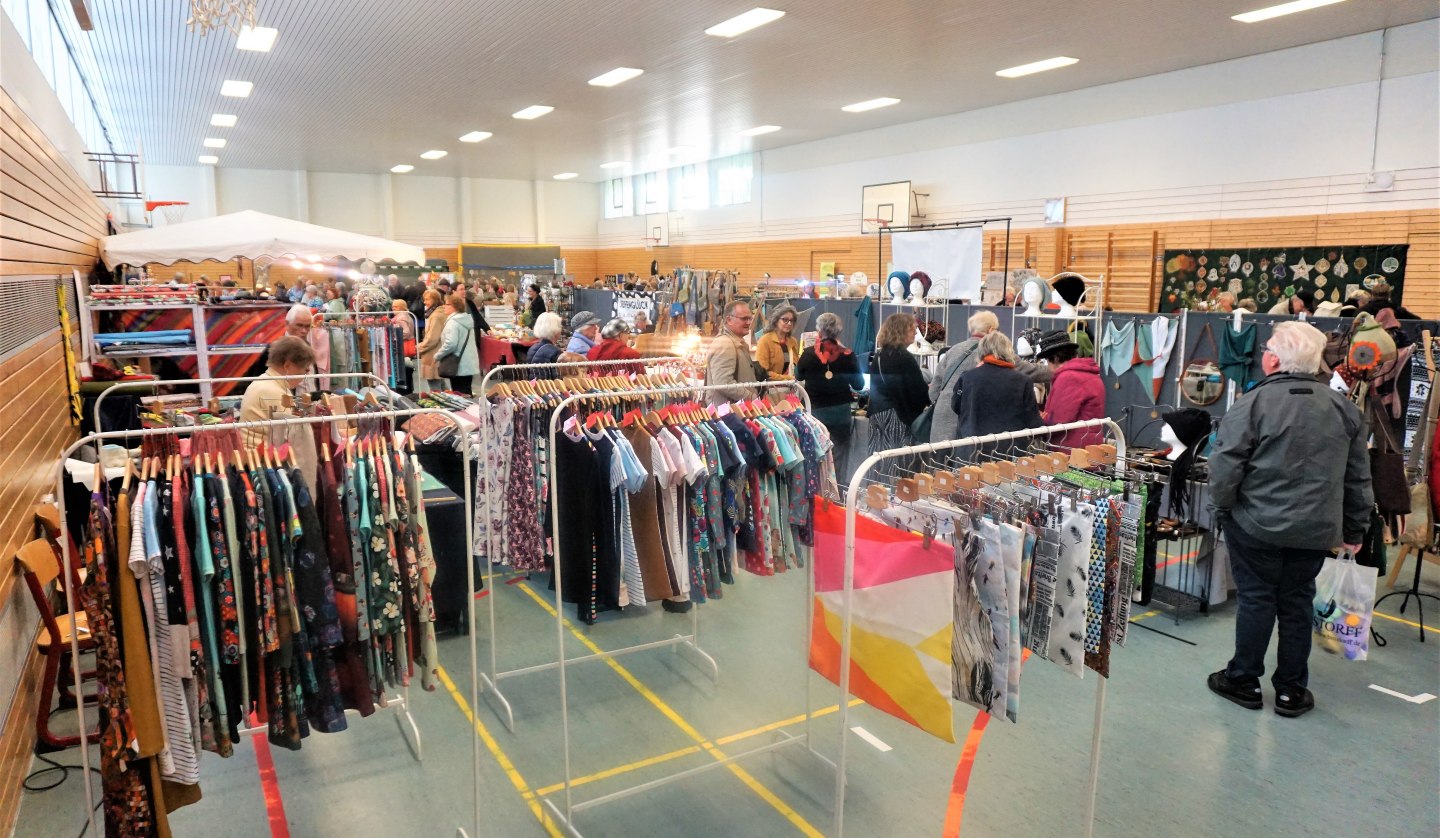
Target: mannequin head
(1066, 309)
(1167, 436)
(1032, 294)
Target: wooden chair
(40, 563)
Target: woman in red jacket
(613, 347)
(1076, 394)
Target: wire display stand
(565, 816)
(492, 677)
(853, 495)
(403, 717)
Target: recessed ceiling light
(758, 130)
(1283, 9)
(871, 104)
(208, 159)
(566, 176)
(238, 89)
(222, 120)
(614, 164)
(615, 76)
(532, 112)
(258, 39)
(433, 154)
(402, 168)
(1037, 67)
(214, 142)
(742, 23)
(476, 136)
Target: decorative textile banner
(901, 630)
(630, 303)
(1266, 274)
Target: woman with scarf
(830, 372)
(994, 397)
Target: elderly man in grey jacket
(1289, 482)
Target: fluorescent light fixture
(1282, 10)
(614, 164)
(297, 264)
(476, 136)
(532, 112)
(213, 142)
(871, 104)
(566, 176)
(258, 39)
(402, 168)
(222, 120)
(1037, 67)
(743, 23)
(208, 159)
(615, 76)
(238, 89)
(433, 154)
(758, 130)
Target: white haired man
(1289, 481)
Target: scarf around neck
(829, 351)
(998, 362)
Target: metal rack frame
(403, 714)
(980, 223)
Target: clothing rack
(403, 716)
(853, 496)
(565, 817)
(494, 675)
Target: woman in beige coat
(435, 316)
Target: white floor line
(871, 738)
(1413, 699)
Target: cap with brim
(583, 319)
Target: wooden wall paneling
(17, 741)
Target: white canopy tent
(248, 235)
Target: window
(732, 180)
(56, 43)
(654, 192)
(690, 187)
(619, 198)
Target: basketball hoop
(651, 243)
(174, 210)
(882, 223)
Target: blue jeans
(1272, 584)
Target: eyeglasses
(787, 320)
(746, 319)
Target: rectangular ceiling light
(208, 159)
(566, 176)
(616, 76)
(743, 23)
(258, 39)
(871, 104)
(1037, 67)
(532, 112)
(214, 142)
(433, 154)
(476, 136)
(758, 130)
(222, 120)
(238, 89)
(402, 168)
(614, 164)
(1282, 10)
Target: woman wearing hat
(1076, 394)
(778, 349)
(613, 347)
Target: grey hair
(548, 326)
(1297, 346)
(299, 313)
(998, 344)
(733, 305)
(614, 329)
(982, 323)
(773, 322)
(829, 326)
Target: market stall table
(495, 351)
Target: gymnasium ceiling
(361, 85)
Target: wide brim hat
(1053, 341)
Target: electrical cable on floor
(53, 766)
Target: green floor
(1176, 760)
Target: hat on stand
(1053, 341)
(1070, 287)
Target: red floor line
(1177, 559)
(956, 807)
(270, 786)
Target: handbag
(1387, 467)
(920, 425)
(1202, 383)
(450, 365)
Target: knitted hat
(1053, 341)
(1070, 287)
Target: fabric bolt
(1162, 342)
(1236, 351)
(1067, 623)
(1117, 348)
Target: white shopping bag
(1344, 606)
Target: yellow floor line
(1401, 620)
(501, 757)
(675, 718)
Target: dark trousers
(461, 383)
(1273, 583)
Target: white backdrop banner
(949, 256)
(630, 303)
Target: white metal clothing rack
(691, 642)
(403, 715)
(853, 494)
(494, 675)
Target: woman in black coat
(994, 397)
(898, 391)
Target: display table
(495, 351)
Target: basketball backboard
(884, 205)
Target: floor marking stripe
(871, 738)
(1400, 620)
(675, 718)
(955, 808)
(270, 787)
(1413, 699)
(500, 756)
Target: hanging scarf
(1236, 347)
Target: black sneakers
(1243, 694)
(1293, 701)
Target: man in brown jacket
(729, 359)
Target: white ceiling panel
(362, 85)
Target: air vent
(31, 312)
